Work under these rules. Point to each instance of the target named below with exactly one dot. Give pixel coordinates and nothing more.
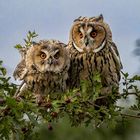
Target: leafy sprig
(28, 40)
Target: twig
(5, 109)
(129, 93)
(131, 116)
(102, 97)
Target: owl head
(47, 55)
(90, 34)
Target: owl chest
(46, 83)
(55, 83)
(84, 67)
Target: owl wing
(117, 59)
(20, 71)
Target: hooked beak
(86, 41)
(49, 61)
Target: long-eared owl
(44, 68)
(92, 50)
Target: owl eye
(43, 55)
(81, 35)
(56, 56)
(93, 34)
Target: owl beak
(86, 41)
(49, 61)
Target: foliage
(22, 118)
(28, 41)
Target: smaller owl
(46, 64)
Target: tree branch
(131, 116)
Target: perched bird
(44, 68)
(92, 51)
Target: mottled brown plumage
(46, 64)
(92, 50)
(21, 69)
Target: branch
(131, 116)
(130, 93)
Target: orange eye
(43, 55)
(93, 34)
(81, 35)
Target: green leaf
(3, 70)
(97, 77)
(136, 77)
(18, 46)
(1, 62)
(26, 41)
(125, 74)
(11, 102)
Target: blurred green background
(128, 130)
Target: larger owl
(92, 51)
(44, 68)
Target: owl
(44, 68)
(92, 51)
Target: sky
(52, 19)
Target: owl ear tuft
(78, 19)
(100, 18)
(62, 44)
(35, 43)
